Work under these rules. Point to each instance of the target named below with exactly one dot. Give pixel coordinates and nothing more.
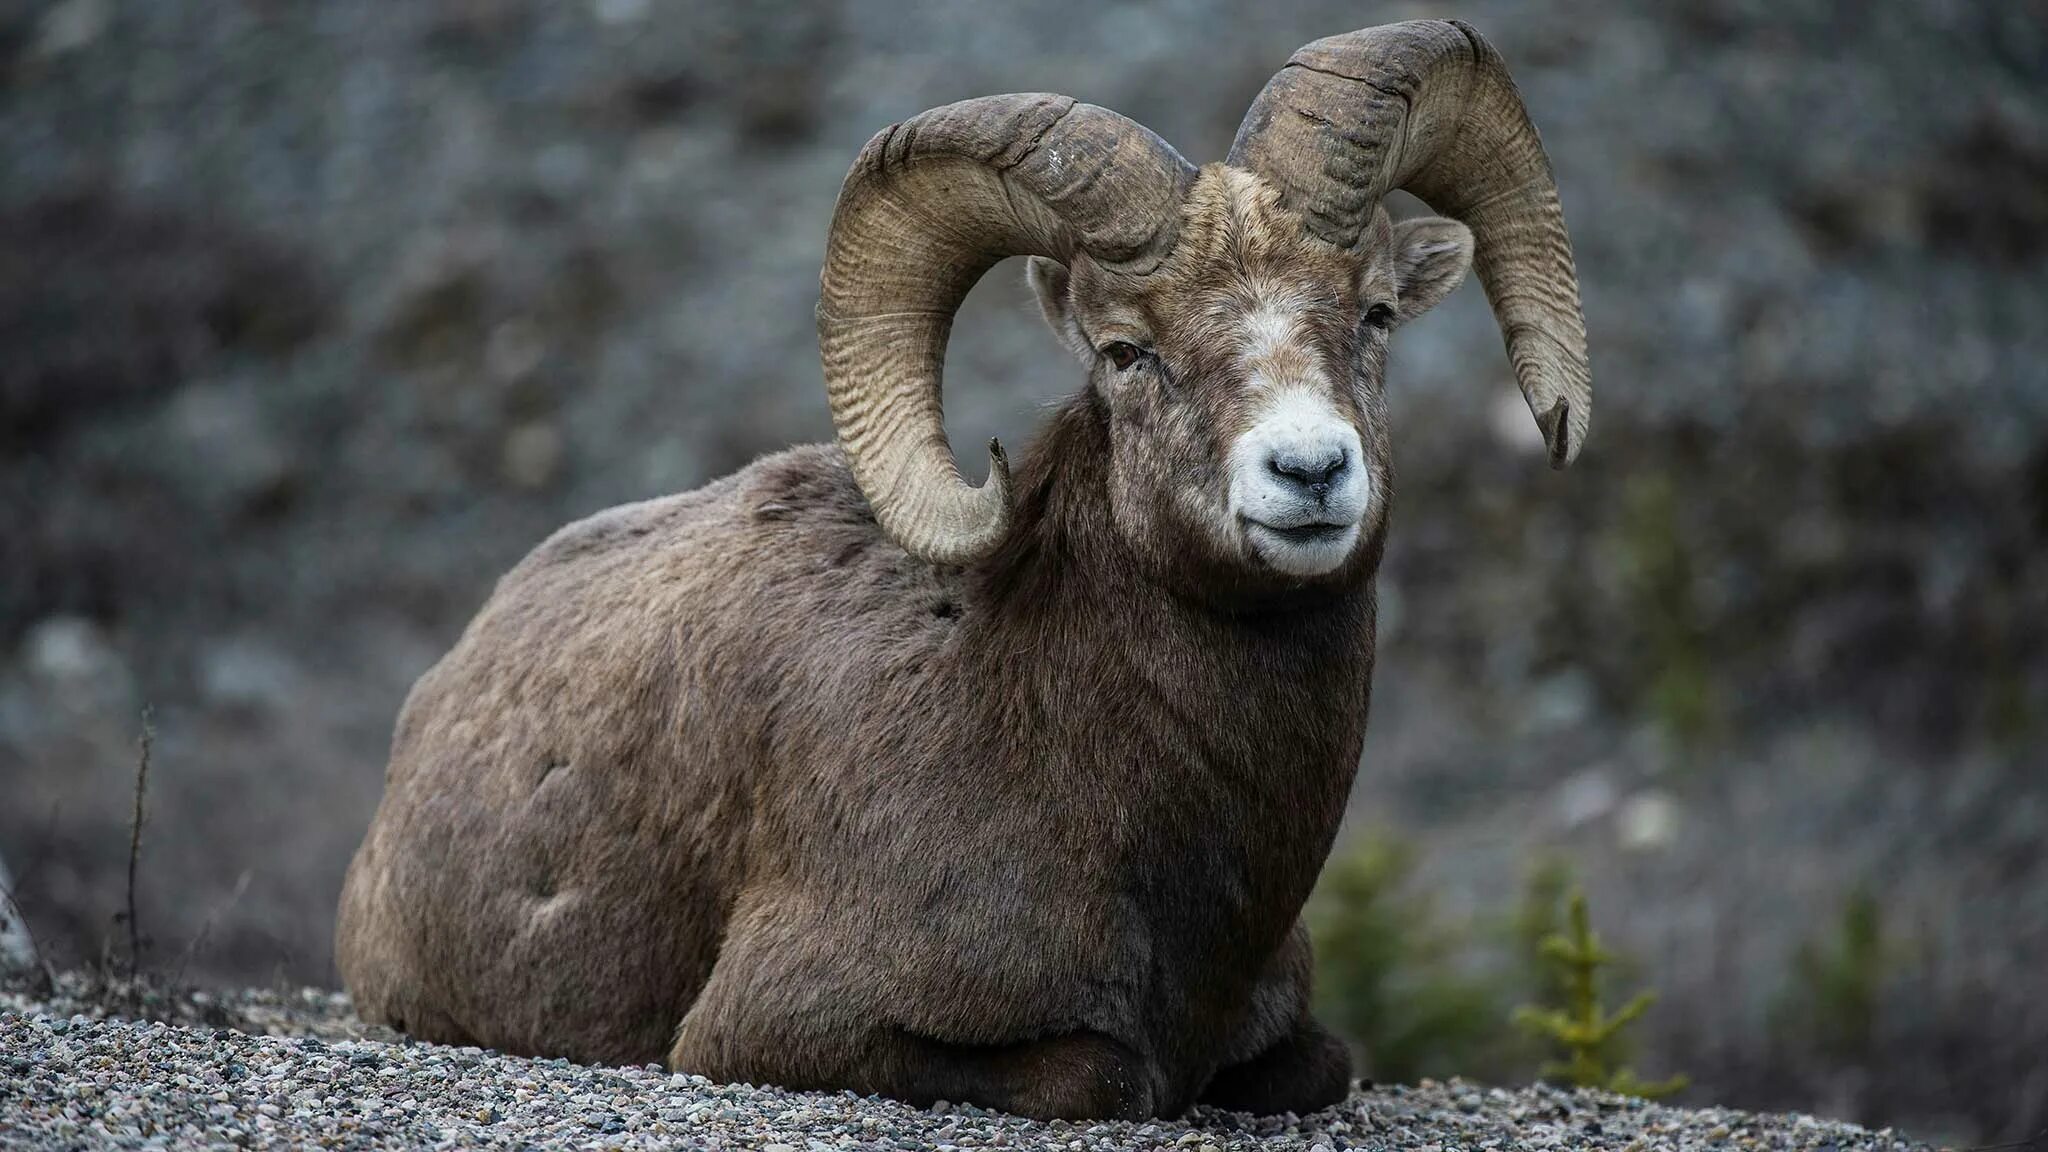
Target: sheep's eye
(1122, 355)
(1380, 316)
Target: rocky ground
(297, 1070)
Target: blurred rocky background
(315, 316)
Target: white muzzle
(1300, 485)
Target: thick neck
(1063, 542)
(1243, 723)
(1071, 590)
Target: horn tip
(1557, 433)
(998, 472)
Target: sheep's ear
(1431, 255)
(1049, 282)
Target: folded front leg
(773, 1015)
(1307, 1070)
(1282, 1060)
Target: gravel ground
(299, 1071)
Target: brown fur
(726, 777)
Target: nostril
(1314, 472)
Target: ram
(840, 772)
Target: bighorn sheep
(842, 773)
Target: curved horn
(1429, 106)
(930, 205)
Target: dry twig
(135, 856)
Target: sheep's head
(1234, 320)
(1243, 376)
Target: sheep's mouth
(1309, 549)
(1313, 532)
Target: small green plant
(1837, 984)
(1680, 691)
(1591, 1038)
(1388, 977)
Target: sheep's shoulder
(694, 602)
